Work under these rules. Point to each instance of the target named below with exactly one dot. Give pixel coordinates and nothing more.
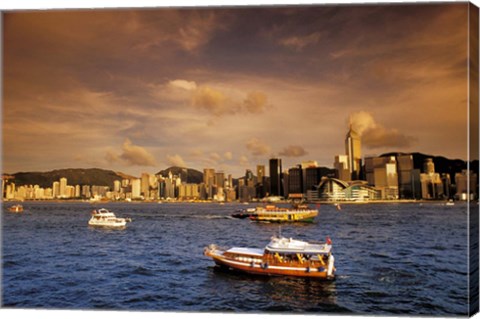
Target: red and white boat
(281, 257)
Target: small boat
(272, 213)
(16, 208)
(105, 218)
(450, 203)
(281, 257)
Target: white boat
(281, 257)
(105, 218)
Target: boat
(272, 213)
(105, 218)
(281, 257)
(450, 203)
(16, 208)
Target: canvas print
(273, 159)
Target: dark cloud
(293, 151)
(257, 147)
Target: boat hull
(266, 269)
(121, 224)
(281, 217)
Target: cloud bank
(375, 135)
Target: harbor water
(390, 258)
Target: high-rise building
(275, 177)
(145, 185)
(295, 180)
(260, 173)
(405, 176)
(220, 179)
(136, 188)
(63, 187)
(209, 181)
(353, 148)
(431, 182)
(313, 175)
(466, 183)
(341, 168)
(56, 189)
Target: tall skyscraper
(275, 177)
(353, 148)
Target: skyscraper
(275, 177)
(353, 148)
(295, 180)
(63, 187)
(342, 168)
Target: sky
(139, 90)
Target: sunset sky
(139, 90)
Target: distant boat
(281, 257)
(16, 208)
(338, 206)
(272, 213)
(105, 218)
(450, 203)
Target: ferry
(105, 218)
(281, 257)
(16, 208)
(272, 213)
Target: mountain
(186, 174)
(74, 176)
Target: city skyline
(141, 90)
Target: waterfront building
(220, 179)
(10, 191)
(169, 189)
(381, 173)
(467, 183)
(284, 182)
(431, 183)
(86, 191)
(341, 168)
(313, 176)
(353, 149)
(209, 181)
(56, 189)
(145, 185)
(136, 188)
(188, 192)
(333, 189)
(63, 187)
(275, 166)
(295, 180)
(246, 193)
(78, 192)
(116, 186)
(405, 176)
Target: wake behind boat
(282, 256)
(105, 218)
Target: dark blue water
(390, 259)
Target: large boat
(281, 257)
(105, 218)
(16, 208)
(272, 213)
